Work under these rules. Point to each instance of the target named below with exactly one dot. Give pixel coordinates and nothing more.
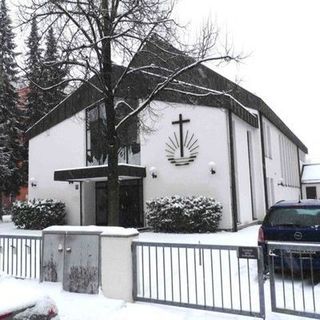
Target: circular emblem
(297, 235)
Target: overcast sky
(282, 39)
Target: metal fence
(20, 255)
(208, 277)
(294, 278)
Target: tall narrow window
(96, 135)
(236, 170)
(251, 175)
(96, 132)
(267, 140)
(289, 162)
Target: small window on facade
(311, 192)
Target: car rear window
(293, 216)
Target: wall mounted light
(280, 183)
(212, 167)
(33, 182)
(153, 172)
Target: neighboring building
(310, 179)
(233, 148)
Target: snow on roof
(311, 173)
(100, 166)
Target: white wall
(62, 146)
(243, 174)
(273, 168)
(210, 128)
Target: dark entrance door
(131, 203)
(101, 204)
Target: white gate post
(116, 263)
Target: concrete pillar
(116, 263)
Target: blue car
(294, 226)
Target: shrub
(38, 214)
(183, 214)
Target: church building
(230, 147)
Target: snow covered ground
(244, 237)
(74, 306)
(9, 228)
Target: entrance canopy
(96, 173)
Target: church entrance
(131, 203)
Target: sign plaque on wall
(182, 148)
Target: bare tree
(93, 34)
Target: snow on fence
(199, 276)
(20, 255)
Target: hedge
(38, 214)
(183, 214)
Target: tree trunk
(112, 139)
(113, 186)
(113, 174)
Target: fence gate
(294, 278)
(20, 255)
(210, 277)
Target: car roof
(297, 203)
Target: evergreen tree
(34, 76)
(53, 74)
(11, 173)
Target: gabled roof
(135, 86)
(163, 54)
(199, 80)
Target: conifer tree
(34, 76)
(53, 74)
(11, 175)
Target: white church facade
(234, 149)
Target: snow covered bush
(38, 214)
(183, 214)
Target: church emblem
(182, 148)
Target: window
(96, 128)
(294, 216)
(289, 162)
(251, 175)
(267, 140)
(96, 136)
(311, 192)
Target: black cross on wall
(180, 122)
